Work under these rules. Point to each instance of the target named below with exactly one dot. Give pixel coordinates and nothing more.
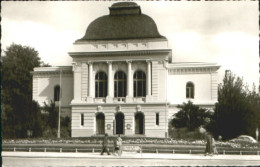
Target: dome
(125, 21)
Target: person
(105, 145)
(120, 143)
(118, 146)
(215, 151)
(209, 141)
(209, 146)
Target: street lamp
(58, 134)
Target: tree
(253, 117)
(51, 121)
(190, 116)
(53, 113)
(19, 110)
(236, 110)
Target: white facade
(145, 103)
(44, 81)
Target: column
(90, 83)
(148, 93)
(129, 96)
(110, 93)
(77, 82)
(90, 80)
(148, 83)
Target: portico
(118, 66)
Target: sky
(224, 32)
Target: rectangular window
(82, 119)
(187, 92)
(157, 118)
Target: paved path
(128, 155)
(133, 159)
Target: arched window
(101, 84)
(139, 84)
(57, 93)
(120, 84)
(190, 90)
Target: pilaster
(90, 83)
(109, 98)
(129, 97)
(77, 82)
(148, 83)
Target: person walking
(215, 151)
(118, 146)
(105, 145)
(209, 144)
(209, 141)
(120, 143)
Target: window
(157, 118)
(57, 93)
(190, 90)
(120, 84)
(82, 119)
(139, 84)
(101, 84)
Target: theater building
(122, 79)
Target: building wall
(149, 111)
(176, 90)
(43, 89)
(168, 86)
(205, 84)
(159, 79)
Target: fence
(135, 149)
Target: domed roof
(125, 21)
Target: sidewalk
(127, 155)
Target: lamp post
(166, 84)
(58, 135)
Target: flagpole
(58, 135)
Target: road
(24, 162)
(21, 159)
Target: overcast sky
(222, 32)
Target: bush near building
(185, 123)
(237, 111)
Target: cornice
(192, 68)
(121, 104)
(56, 70)
(120, 53)
(121, 41)
(51, 73)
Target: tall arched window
(139, 84)
(190, 90)
(101, 84)
(120, 84)
(57, 93)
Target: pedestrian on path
(105, 145)
(215, 151)
(118, 146)
(209, 144)
(209, 141)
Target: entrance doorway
(119, 123)
(100, 123)
(139, 123)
